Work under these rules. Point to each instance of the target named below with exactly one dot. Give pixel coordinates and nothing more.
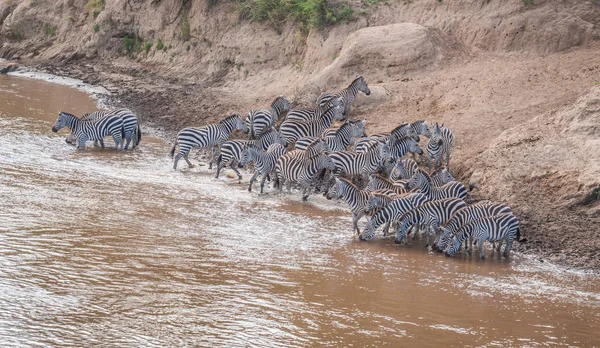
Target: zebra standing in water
(431, 214)
(337, 140)
(293, 130)
(211, 136)
(265, 161)
(421, 181)
(392, 212)
(347, 94)
(258, 120)
(85, 130)
(231, 150)
(503, 227)
(439, 144)
(131, 127)
(355, 198)
(464, 216)
(313, 114)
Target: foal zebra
(293, 130)
(313, 114)
(258, 120)
(431, 214)
(421, 181)
(85, 130)
(355, 198)
(265, 161)
(439, 144)
(347, 94)
(464, 216)
(211, 136)
(503, 227)
(231, 150)
(392, 212)
(337, 140)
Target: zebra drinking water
(431, 214)
(258, 120)
(265, 161)
(211, 136)
(356, 199)
(85, 130)
(503, 227)
(347, 94)
(293, 130)
(464, 216)
(439, 144)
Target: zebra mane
(358, 77)
(404, 124)
(419, 121)
(379, 177)
(437, 171)
(424, 172)
(348, 182)
(343, 126)
(230, 118)
(68, 114)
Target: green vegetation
(70, 19)
(596, 194)
(49, 29)
(310, 13)
(185, 27)
(96, 28)
(159, 44)
(374, 2)
(132, 45)
(147, 47)
(528, 2)
(211, 3)
(94, 7)
(188, 47)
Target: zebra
(400, 147)
(293, 130)
(361, 164)
(420, 127)
(295, 167)
(439, 144)
(231, 150)
(257, 120)
(85, 130)
(441, 177)
(421, 181)
(313, 114)
(464, 216)
(347, 94)
(404, 169)
(131, 126)
(211, 136)
(378, 182)
(355, 198)
(380, 199)
(337, 140)
(392, 212)
(265, 161)
(502, 227)
(402, 131)
(431, 214)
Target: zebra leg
(214, 150)
(219, 167)
(101, 143)
(185, 157)
(497, 247)
(81, 143)
(508, 246)
(386, 228)
(128, 137)
(356, 217)
(480, 242)
(252, 181)
(262, 182)
(233, 166)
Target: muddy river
(109, 248)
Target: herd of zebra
(376, 175)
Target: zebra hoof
(304, 198)
(397, 241)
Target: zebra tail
(138, 133)
(172, 153)
(252, 128)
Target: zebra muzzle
(54, 129)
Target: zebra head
(402, 231)
(374, 202)
(247, 155)
(338, 112)
(422, 129)
(385, 152)
(281, 105)
(437, 130)
(445, 176)
(413, 146)
(453, 246)
(360, 84)
(417, 180)
(358, 129)
(444, 240)
(239, 124)
(61, 121)
(369, 231)
(335, 190)
(279, 138)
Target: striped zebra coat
(361, 164)
(265, 161)
(356, 199)
(421, 181)
(404, 169)
(420, 127)
(503, 227)
(392, 212)
(347, 94)
(211, 136)
(431, 214)
(231, 150)
(295, 167)
(258, 120)
(463, 217)
(131, 127)
(378, 182)
(84, 130)
(400, 147)
(337, 139)
(293, 130)
(439, 144)
(314, 114)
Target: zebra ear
(364, 122)
(442, 125)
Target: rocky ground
(519, 87)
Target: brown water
(111, 248)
